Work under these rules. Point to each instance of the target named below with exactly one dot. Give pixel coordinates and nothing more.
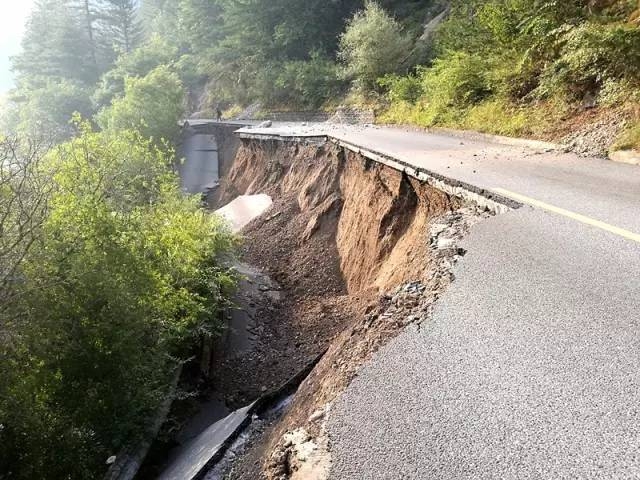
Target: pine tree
(120, 24)
(87, 13)
(152, 9)
(55, 45)
(200, 23)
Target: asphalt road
(530, 365)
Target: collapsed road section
(360, 247)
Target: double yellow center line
(566, 213)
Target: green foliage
(500, 64)
(113, 293)
(592, 54)
(69, 44)
(402, 89)
(243, 62)
(160, 17)
(200, 23)
(372, 45)
(155, 52)
(152, 105)
(307, 84)
(119, 20)
(630, 138)
(454, 83)
(618, 92)
(48, 109)
(55, 45)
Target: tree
(87, 12)
(49, 108)
(200, 24)
(151, 105)
(372, 45)
(156, 51)
(24, 195)
(119, 23)
(159, 17)
(55, 45)
(123, 277)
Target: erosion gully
(340, 254)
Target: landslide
(373, 217)
(342, 235)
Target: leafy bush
(112, 295)
(629, 139)
(48, 109)
(306, 84)
(138, 63)
(402, 89)
(454, 82)
(593, 53)
(616, 92)
(152, 105)
(372, 45)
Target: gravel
(596, 139)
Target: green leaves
(372, 45)
(123, 278)
(152, 105)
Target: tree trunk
(92, 43)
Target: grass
(494, 116)
(629, 139)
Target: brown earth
(342, 235)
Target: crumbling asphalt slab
(528, 368)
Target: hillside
(557, 70)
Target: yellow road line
(575, 216)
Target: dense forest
(108, 273)
(509, 66)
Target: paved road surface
(530, 367)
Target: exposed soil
(352, 245)
(314, 306)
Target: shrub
(592, 54)
(138, 63)
(454, 82)
(112, 295)
(306, 84)
(616, 92)
(402, 88)
(48, 109)
(372, 45)
(152, 105)
(629, 139)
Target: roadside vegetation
(109, 274)
(515, 67)
(523, 67)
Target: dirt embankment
(375, 217)
(359, 251)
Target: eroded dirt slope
(353, 246)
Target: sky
(13, 15)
